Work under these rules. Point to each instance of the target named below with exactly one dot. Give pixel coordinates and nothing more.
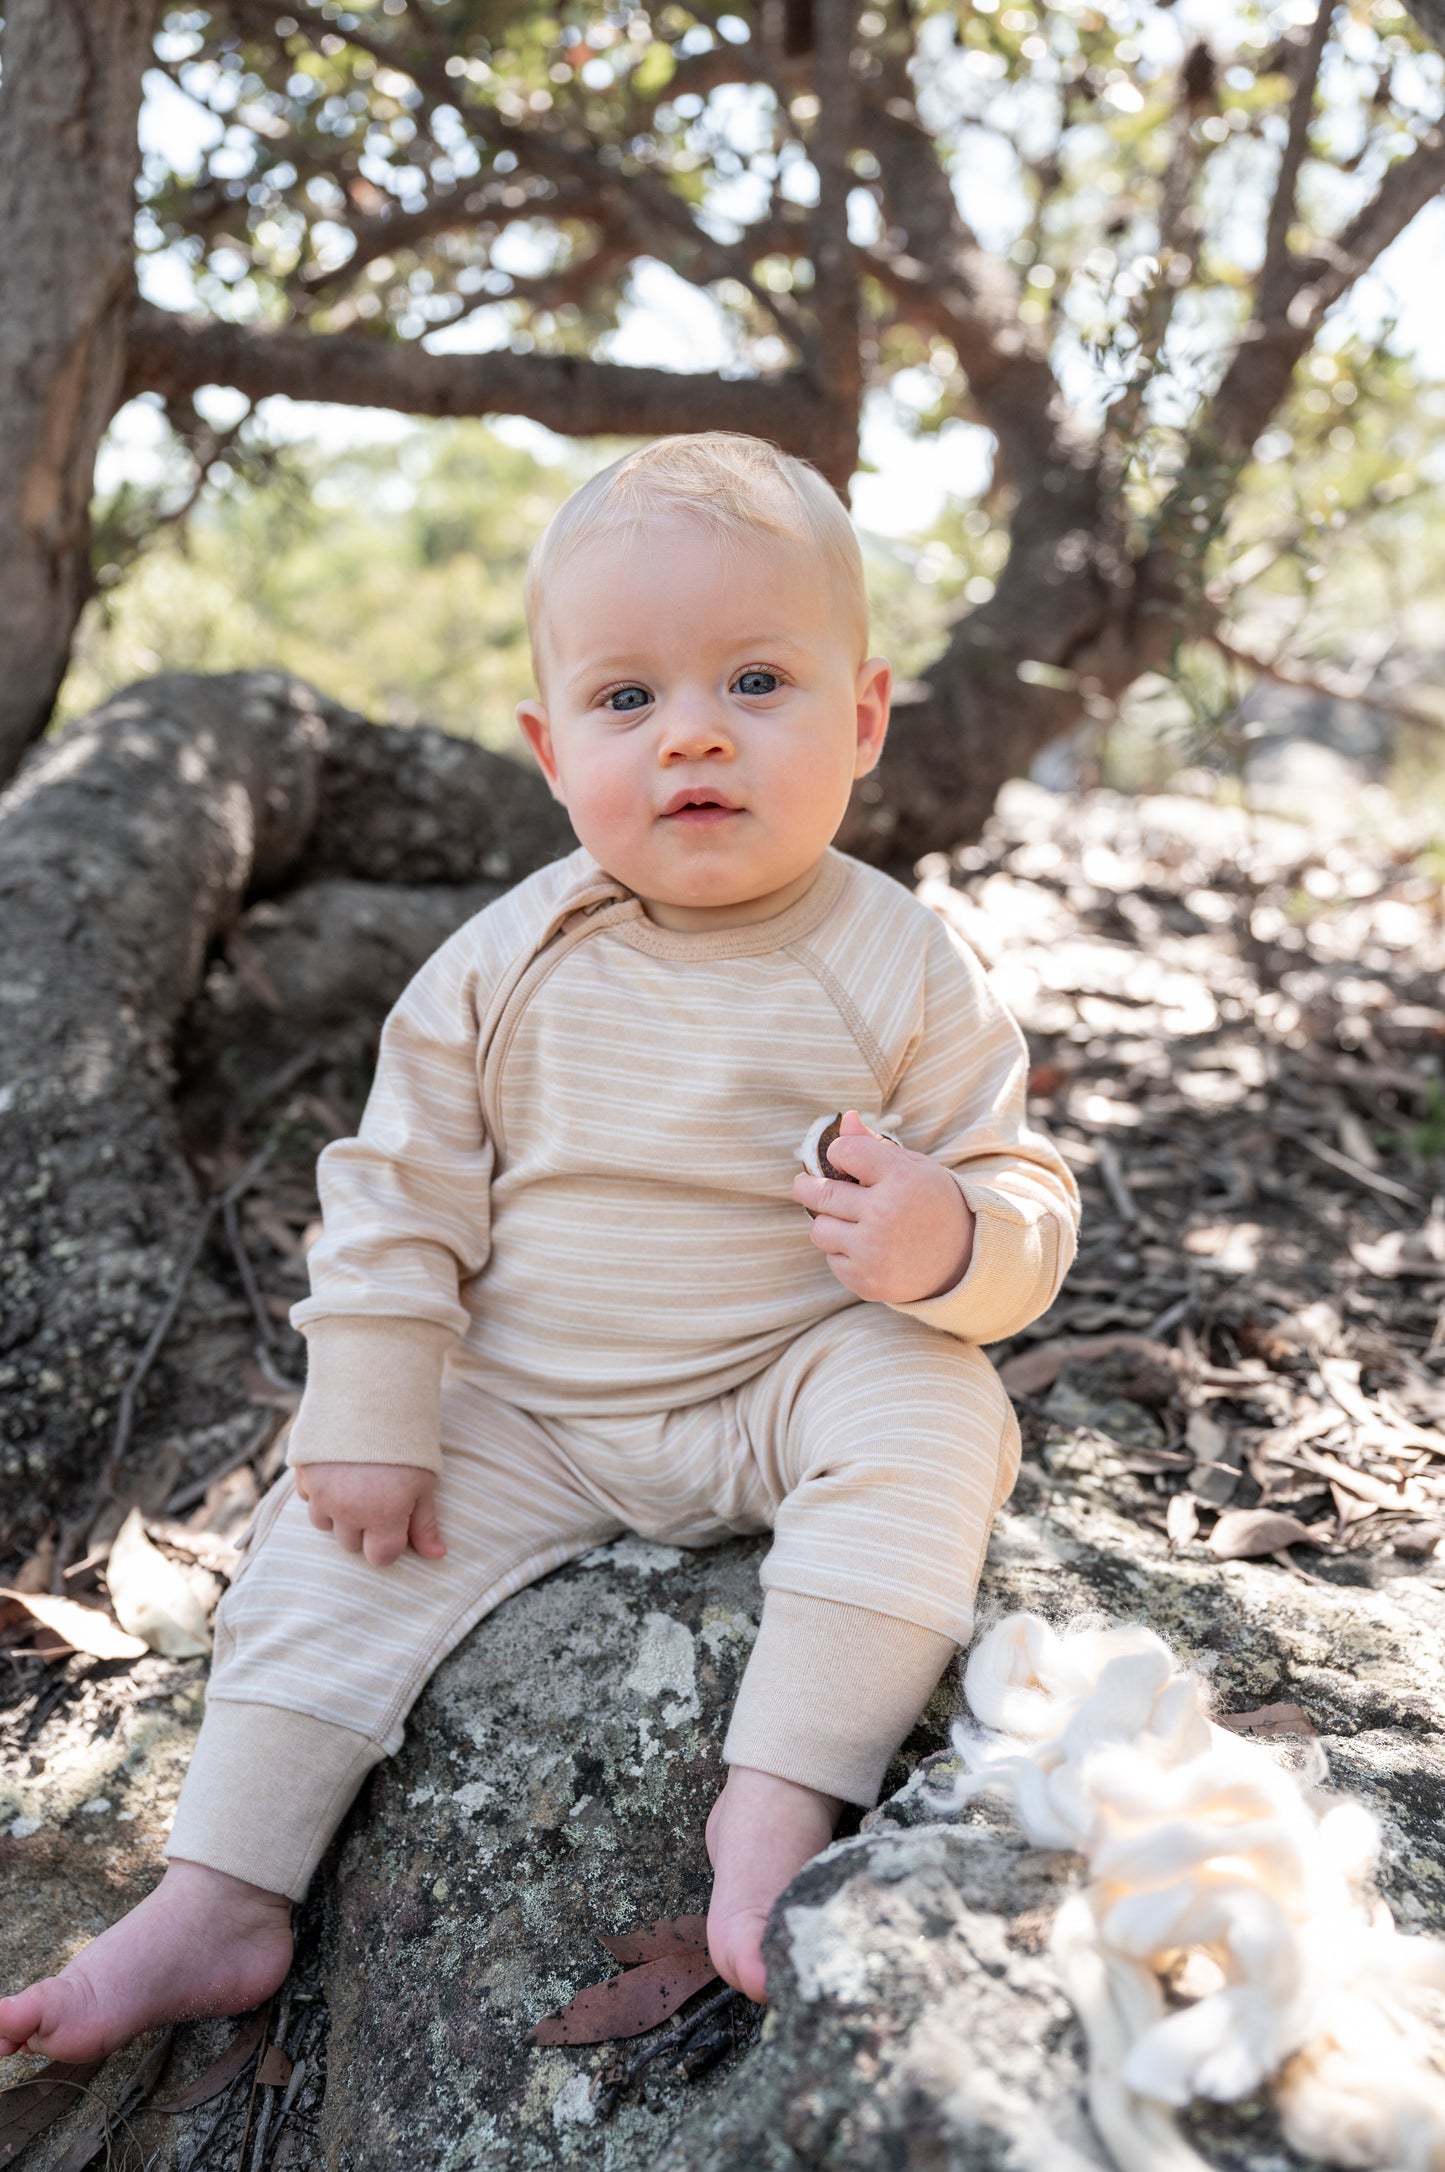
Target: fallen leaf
(32, 2106)
(659, 1941)
(275, 2069)
(1269, 1720)
(34, 1574)
(1036, 1369)
(97, 2133)
(84, 1628)
(1226, 1248)
(1181, 1519)
(222, 2071)
(1243, 1533)
(629, 2004)
(205, 1547)
(151, 1597)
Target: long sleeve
(406, 1215)
(960, 1097)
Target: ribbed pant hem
(266, 1790)
(829, 1693)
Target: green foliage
(390, 576)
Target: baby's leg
(882, 1450)
(319, 1657)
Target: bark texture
(128, 848)
(69, 102)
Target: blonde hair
(737, 485)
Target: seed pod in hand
(813, 1153)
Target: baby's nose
(694, 729)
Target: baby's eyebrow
(744, 647)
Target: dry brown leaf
(1037, 1369)
(151, 1597)
(1269, 1720)
(32, 2106)
(674, 1963)
(1181, 1519)
(96, 2134)
(659, 1941)
(1242, 1534)
(275, 2069)
(84, 1628)
(221, 2072)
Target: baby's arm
(406, 1208)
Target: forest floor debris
(1237, 1038)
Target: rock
(555, 1781)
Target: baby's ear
(875, 689)
(532, 717)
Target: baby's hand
(376, 1509)
(904, 1231)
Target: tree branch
(970, 297)
(1274, 269)
(1258, 377)
(836, 295)
(174, 355)
(1326, 680)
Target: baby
(566, 1287)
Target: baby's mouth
(699, 809)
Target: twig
(1385, 1186)
(291, 1073)
(251, 2094)
(1282, 205)
(606, 2091)
(198, 1488)
(244, 1269)
(1116, 1184)
(125, 1416)
(1323, 679)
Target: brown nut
(813, 1153)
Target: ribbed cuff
(373, 1392)
(829, 1693)
(266, 1789)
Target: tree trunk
(69, 102)
(128, 847)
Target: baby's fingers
(382, 1544)
(825, 1195)
(424, 1533)
(831, 1235)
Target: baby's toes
(50, 2017)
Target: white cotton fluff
(1209, 1868)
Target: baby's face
(702, 716)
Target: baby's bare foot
(202, 1943)
(760, 1833)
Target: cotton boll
(1203, 1849)
(1351, 1839)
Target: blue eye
(759, 682)
(624, 698)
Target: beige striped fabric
(562, 1266)
(874, 1449)
(578, 1153)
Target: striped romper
(563, 1268)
